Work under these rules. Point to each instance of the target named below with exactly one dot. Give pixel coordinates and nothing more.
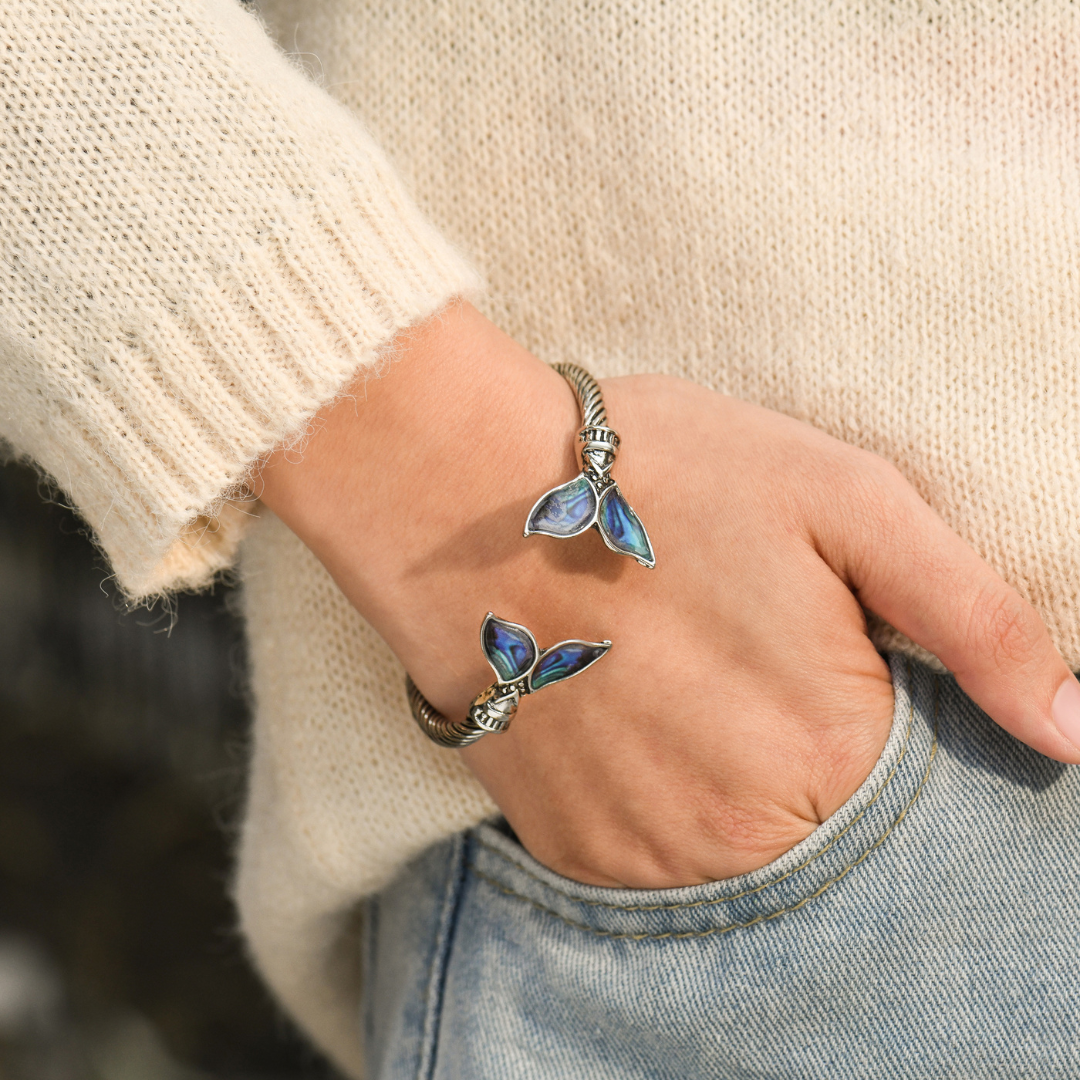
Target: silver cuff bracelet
(592, 499)
(520, 668)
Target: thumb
(909, 567)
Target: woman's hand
(742, 702)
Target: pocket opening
(836, 848)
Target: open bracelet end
(520, 667)
(592, 500)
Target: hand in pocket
(742, 702)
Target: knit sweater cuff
(201, 249)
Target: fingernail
(1066, 710)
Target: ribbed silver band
(587, 389)
(445, 732)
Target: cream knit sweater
(863, 215)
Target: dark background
(122, 748)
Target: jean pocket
(832, 853)
(409, 931)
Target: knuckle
(868, 482)
(876, 483)
(1004, 628)
(865, 497)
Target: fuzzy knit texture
(200, 248)
(866, 216)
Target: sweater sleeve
(199, 249)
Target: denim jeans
(930, 928)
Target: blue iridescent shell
(564, 511)
(566, 659)
(622, 528)
(510, 649)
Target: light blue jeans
(930, 928)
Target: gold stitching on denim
(746, 892)
(716, 930)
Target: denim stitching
(757, 888)
(437, 977)
(716, 930)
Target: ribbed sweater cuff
(202, 249)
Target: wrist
(413, 488)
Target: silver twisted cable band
(438, 728)
(587, 389)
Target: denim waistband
(836, 849)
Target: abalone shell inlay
(623, 528)
(510, 649)
(564, 511)
(565, 659)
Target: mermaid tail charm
(512, 652)
(520, 667)
(593, 500)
